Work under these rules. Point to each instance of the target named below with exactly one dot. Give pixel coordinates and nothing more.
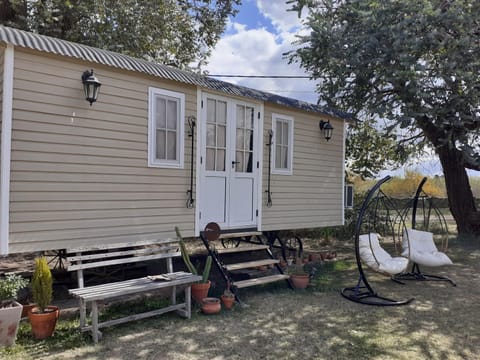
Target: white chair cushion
(374, 256)
(422, 249)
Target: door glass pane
(210, 135)
(240, 116)
(210, 161)
(240, 139)
(161, 112)
(249, 161)
(160, 143)
(221, 112)
(249, 140)
(171, 114)
(285, 133)
(239, 160)
(250, 117)
(211, 110)
(221, 136)
(171, 145)
(220, 166)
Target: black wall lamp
(91, 86)
(326, 129)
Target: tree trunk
(459, 192)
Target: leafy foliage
(10, 285)
(42, 283)
(414, 66)
(175, 32)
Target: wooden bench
(96, 257)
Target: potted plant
(228, 298)
(10, 309)
(298, 277)
(200, 289)
(211, 305)
(43, 317)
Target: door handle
(235, 162)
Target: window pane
(278, 156)
(285, 133)
(221, 112)
(221, 136)
(220, 160)
(160, 144)
(284, 157)
(278, 135)
(210, 161)
(171, 145)
(240, 116)
(240, 139)
(210, 135)
(172, 115)
(160, 113)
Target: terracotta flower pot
(9, 319)
(200, 291)
(228, 301)
(43, 324)
(26, 309)
(299, 281)
(211, 305)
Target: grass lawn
(317, 323)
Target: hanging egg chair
(379, 228)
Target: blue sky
(254, 43)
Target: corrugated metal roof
(56, 46)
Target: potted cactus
(200, 289)
(228, 297)
(10, 309)
(43, 317)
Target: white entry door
(229, 165)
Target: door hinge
(258, 164)
(201, 104)
(257, 212)
(258, 115)
(201, 160)
(200, 215)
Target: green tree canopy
(174, 32)
(413, 64)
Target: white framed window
(166, 114)
(282, 151)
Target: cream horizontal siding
(79, 173)
(312, 196)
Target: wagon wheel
(56, 259)
(230, 242)
(293, 247)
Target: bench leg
(174, 295)
(83, 313)
(94, 315)
(188, 302)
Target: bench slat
(122, 261)
(135, 252)
(120, 245)
(129, 287)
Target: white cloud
(260, 52)
(277, 11)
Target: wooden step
(260, 281)
(251, 264)
(242, 249)
(239, 234)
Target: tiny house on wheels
(160, 148)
